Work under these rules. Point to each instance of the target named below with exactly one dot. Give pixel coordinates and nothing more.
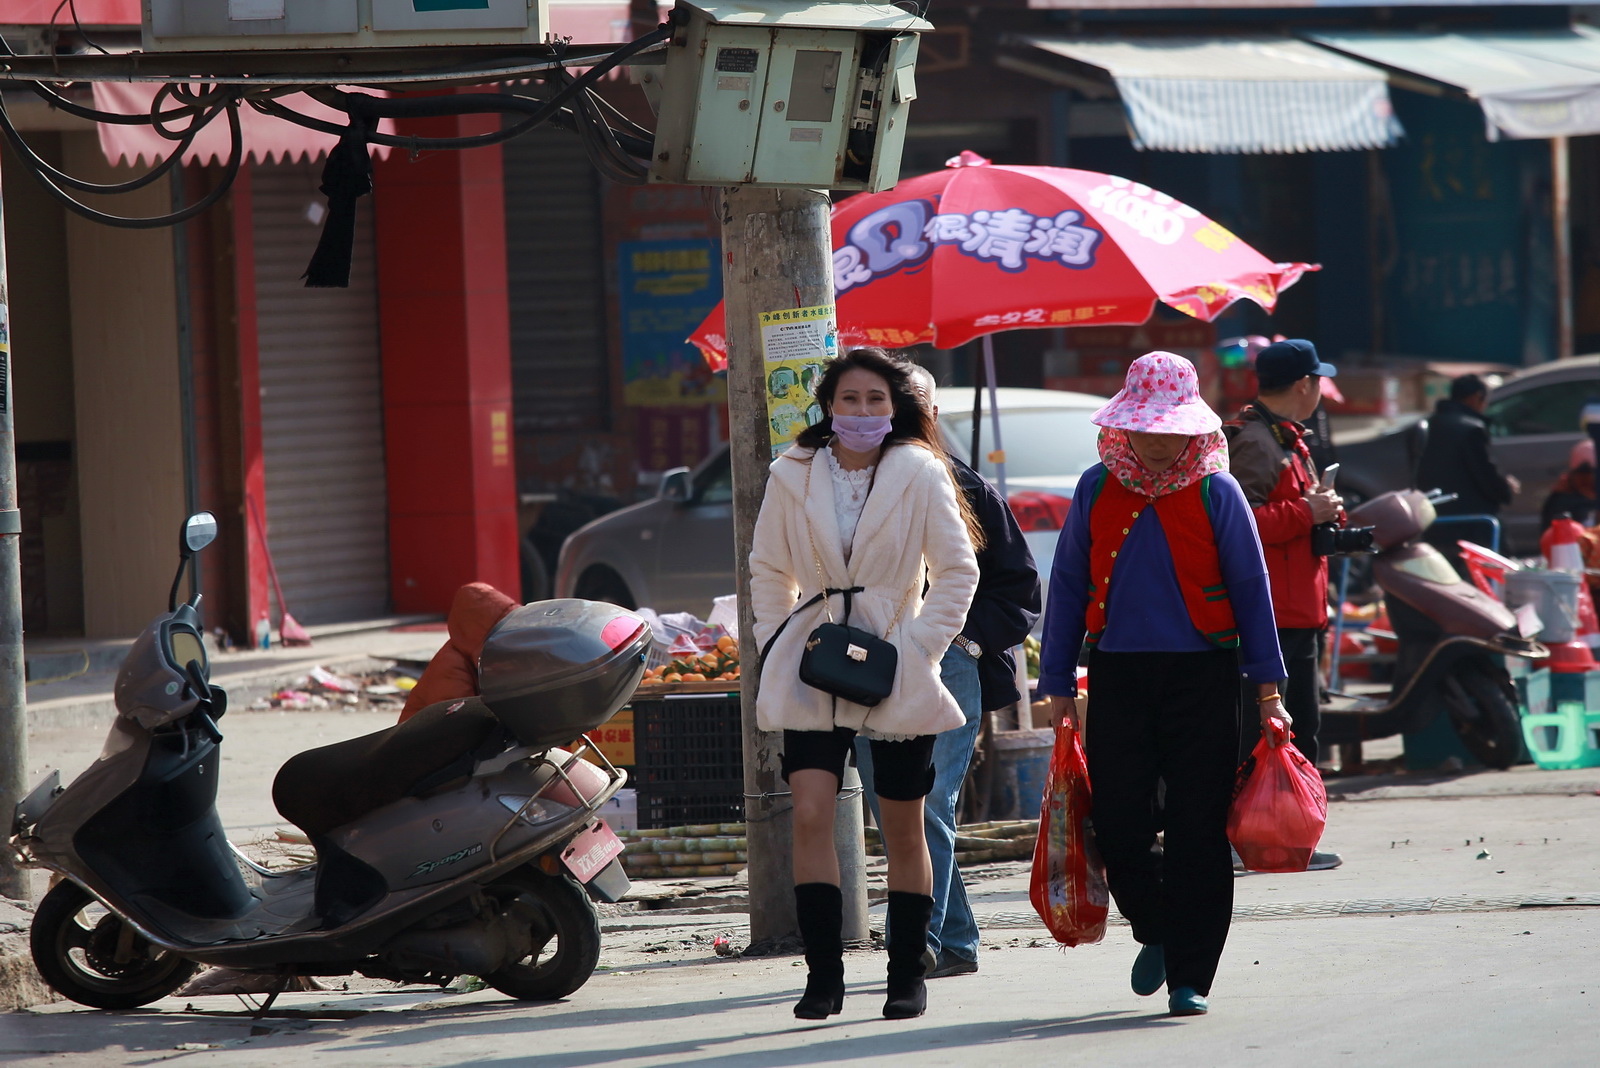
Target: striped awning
(1530, 83)
(1249, 94)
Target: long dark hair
(912, 422)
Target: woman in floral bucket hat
(1159, 574)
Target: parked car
(675, 553)
(1533, 424)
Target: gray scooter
(461, 842)
(1453, 638)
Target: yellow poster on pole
(795, 343)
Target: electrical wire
(573, 105)
(37, 162)
(72, 5)
(538, 111)
(601, 145)
(235, 159)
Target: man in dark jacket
(1268, 454)
(979, 671)
(1456, 458)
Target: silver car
(675, 553)
(1533, 424)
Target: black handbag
(842, 660)
(849, 662)
(838, 659)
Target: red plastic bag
(1279, 806)
(1068, 889)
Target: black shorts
(901, 771)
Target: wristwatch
(973, 649)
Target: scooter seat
(328, 787)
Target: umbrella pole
(994, 416)
(977, 411)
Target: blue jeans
(953, 930)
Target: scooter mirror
(199, 530)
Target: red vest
(1186, 521)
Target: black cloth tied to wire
(346, 177)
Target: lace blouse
(850, 490)
(849, 497)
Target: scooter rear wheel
(90, 955)
(567, 919)
(1483, 708)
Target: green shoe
(1149, 970)
(1185, 1002)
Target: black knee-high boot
(908, 941)
(820, 909)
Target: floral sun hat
(1161, 396)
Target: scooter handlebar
(207, 724)
(213, 702)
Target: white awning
(1530, 83)
(1238, 94)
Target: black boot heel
(819, 907)
(824, 997)
(908, 942)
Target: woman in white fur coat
(864, 501)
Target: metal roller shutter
(557, 289)
(321, 408)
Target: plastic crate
(688, 752)
(1569, 737)
(678, 804)
(1533, 692)
(1579, 687)
(687, 739)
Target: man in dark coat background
(1456, 458)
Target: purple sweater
(1145, 612)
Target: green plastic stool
(1569, 737)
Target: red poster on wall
(672, 437)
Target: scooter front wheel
(566, 938)
(1483, 707)
(90, 955)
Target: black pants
(1302, 693)
(1171, 717)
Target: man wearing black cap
(1456, 458)
(1267, 453)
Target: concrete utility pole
(777, 253)
(13, 692)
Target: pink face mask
(862, 433)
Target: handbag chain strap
(816, 558)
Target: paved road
(1418, 950)
(1464, 929)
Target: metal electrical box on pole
(779, 102)
(776, 93)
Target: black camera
(1330, 539)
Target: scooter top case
(553, 670)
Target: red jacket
(1274, 469)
